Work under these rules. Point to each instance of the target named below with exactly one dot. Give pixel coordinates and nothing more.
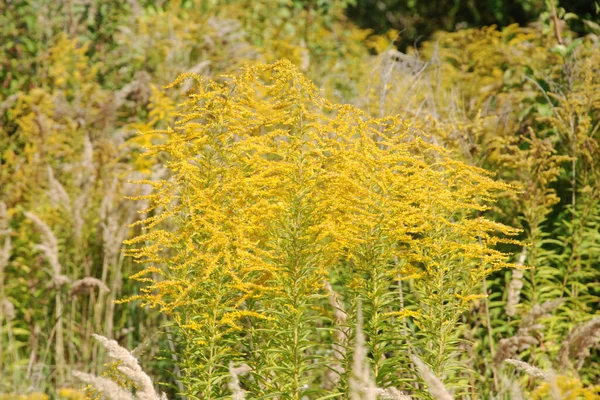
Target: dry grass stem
(392, 394)
(579, 342)
(8, 310)
(6, 248)
(85, 176)
(130, 367)
(511, 387)
(237, 393)
(87, 160)
(108, 388)
(434, 385)
(4, 230)
(58, 281)
(333, 374)
(516, 284)
(49, 245)
(527, 368)
(57, 192)
(523, 339)
(86, 284)
(362, 385)
(539, 311)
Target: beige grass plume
(524, 337)
(49, 247)
(511, 388)
(362, 385)
(7, 309)
(237, 393)
(108, 388)
(579, 342)
(87, 284)
(434, 385)
(84, 178)
(130, 367)
(516, 284)
(392, 394)
(534, 372)
(57, 192)
(4, 230)
(340, 317)
(527, 368)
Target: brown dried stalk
(557, 27)
(537, 373)
(579, 342)
(524, 338)
(86, 284)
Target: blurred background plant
(521, 99)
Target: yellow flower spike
(403, 313)
(467, 299)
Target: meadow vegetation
(243, 199)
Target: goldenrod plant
(366, 172)
(272, 192)
(496, 98)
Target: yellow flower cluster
(272, 189)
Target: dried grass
(237, 393)
(511, 388)
(434, 385)
(527, 368)
(4, 230)
(8, 310)
(49, 245)
(128, 366)
(340, 317)
(57, 192)
(392, 394)
(85, 178)
(86, 284)
(6, 249)
(516, 284)
(362, 385)
(524, 337)
(108, 388)
(579, 342)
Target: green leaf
(592, 26)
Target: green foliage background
(79, 80)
